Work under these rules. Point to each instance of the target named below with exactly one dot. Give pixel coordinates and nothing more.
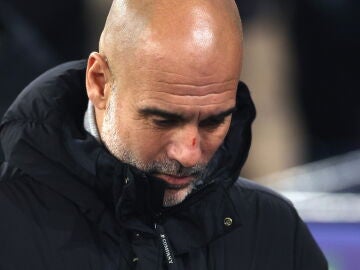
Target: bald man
(131, 160)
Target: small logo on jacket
(167, 249)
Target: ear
(98, 80)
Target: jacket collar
(76, 165)
(90, 121)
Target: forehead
(185, 96)
(199, 52)
(169, 93)
(179, 69)
(184, 70)
(169, 84)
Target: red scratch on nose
(193, 142)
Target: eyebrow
(146, 112)
(222, 114)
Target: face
(170, 112)
(169, 126)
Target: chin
(173, 197)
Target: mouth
(176, 182)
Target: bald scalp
(134, 25)
(124, 25)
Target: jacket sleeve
(308, 254)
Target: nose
(185, 147)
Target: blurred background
(301, 64)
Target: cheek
(147, 143)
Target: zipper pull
(167, 251)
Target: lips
(176, 182)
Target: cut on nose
(187, 154)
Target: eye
(163, 123)
(212, 123)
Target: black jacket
(66, 203)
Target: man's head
(164, 85)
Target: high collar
(42, 133)
(90, 121)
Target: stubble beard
(173, 194)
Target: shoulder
(268, 206)
(12, 183)
(17, 202)
(47, 92)
(26, 202)
(9, 173)
(35, 220)
(18, 193)
(271, 219)
(250, 187)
